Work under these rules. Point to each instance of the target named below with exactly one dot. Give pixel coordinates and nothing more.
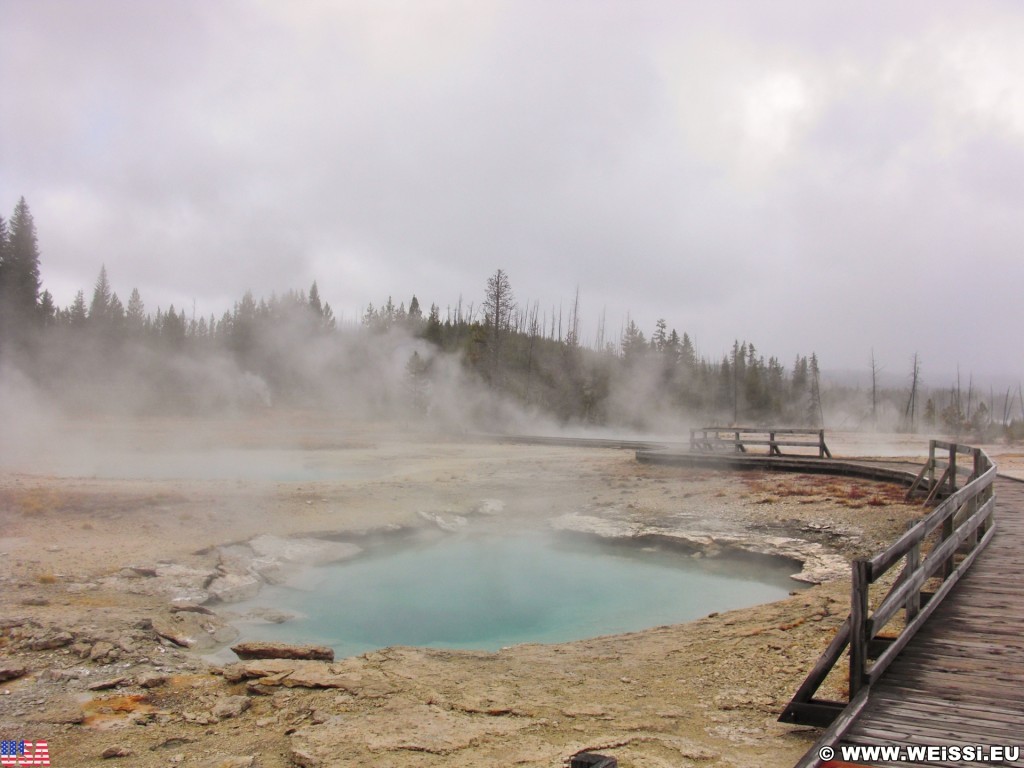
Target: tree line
(295, 352)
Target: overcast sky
(810, 176)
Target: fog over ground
(834, 177)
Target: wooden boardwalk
(961, 678)
(891, 471)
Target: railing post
(982, 465)
(977, 499)
(949, 524)
(913, 605)
(931, 465)
(947, 531)
(952, 468)
(858, 626)
(970, 508)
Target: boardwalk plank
(914, 727)
(925, 732)
(923, 664)
(980, 709)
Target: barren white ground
(99, 683)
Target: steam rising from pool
(486, 592)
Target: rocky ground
(118, 579)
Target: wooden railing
(935, 553)
(738, 438)
(951, 468)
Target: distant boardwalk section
(742, 448)
(740, 439)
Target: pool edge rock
(817, 564)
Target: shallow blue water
(485, 592)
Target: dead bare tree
(573, 338)
(910, 412)
(534, 328)
(499, 304)
(875, 370)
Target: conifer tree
(19, 274)
(314, 300)
(673, 347)
(77, 315)
(243, 327)
(323, 314)
(633, 343)
(99, 307)
(387, 314)
(415, 313)
(370, 317)
(687, 354)
(5, 239)
(815, 413)
(135, 315)
(116, 313)
(328, 322)
(798, 383)
(432, 332)
(47, 308)
(172, 329)
(660, 336)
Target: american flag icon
(17, 753)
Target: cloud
(809, 177)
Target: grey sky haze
(832, 177)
